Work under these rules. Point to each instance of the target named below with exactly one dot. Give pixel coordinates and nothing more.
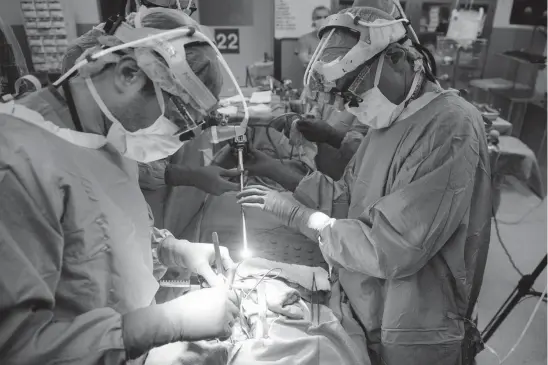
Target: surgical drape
(412, 209)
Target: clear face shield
(322, 79)
(186, 101)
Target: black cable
(431, 69)
(504, 246)
(522, 219)
(72, 107)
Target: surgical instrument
(218, 258)
(240, 143)
(314, 301)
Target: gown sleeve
(426, 205)
(31, 256)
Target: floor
(526, 243)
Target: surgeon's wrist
(147, 328)
(178, 175)
(309, 221)
(169, 252)
(287, 177)
(335, 138)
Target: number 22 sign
(228, 40)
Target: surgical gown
(75, 241)
(412, 209)
(329, 160)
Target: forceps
(314, 300)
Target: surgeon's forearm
(287, 177)
(168, 252)
(336, 138)
(180, 175)
(30, 335)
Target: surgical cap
(201, 58)
(387, 6)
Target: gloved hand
(199, 315)
(319, 131)
(256, 163)
(288, 210)
(196, 257)
(211, 179)
(283, 207)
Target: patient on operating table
(284, 319)
(284, 314)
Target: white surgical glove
(196, 257)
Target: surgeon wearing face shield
(402, 229)
(80, 259)
(156, 174)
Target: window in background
(528, 12)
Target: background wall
(84, 12)
(256, 34)
(257, 37)
(506, 36)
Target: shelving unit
(49, 27)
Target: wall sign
(228, 40)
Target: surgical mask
(376, 111)
(152, 143)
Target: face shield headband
(170, 46)
(189, 9)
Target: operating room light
(245, 253)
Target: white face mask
(153, 143)
(376, 111)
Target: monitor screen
(528, 12)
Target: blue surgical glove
(293, 214)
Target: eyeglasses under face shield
(342, 92)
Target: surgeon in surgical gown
(79, 257)
(180, 176)
(403, 228)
